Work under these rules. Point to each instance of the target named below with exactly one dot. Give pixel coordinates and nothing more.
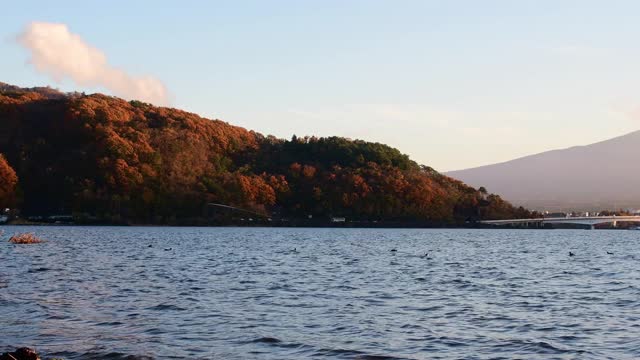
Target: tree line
(104, 159)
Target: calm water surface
(245, 293)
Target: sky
(454, 84)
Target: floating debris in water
(26, 238)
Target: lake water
(245, 293)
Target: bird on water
(609, 253)
(571, 254)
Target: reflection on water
(239, 293)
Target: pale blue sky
(452, 83)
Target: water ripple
(230, 293)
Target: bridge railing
(568, 220)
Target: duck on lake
(571, 254)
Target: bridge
(590, 221)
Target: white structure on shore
(592, 221)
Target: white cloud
(62, 54)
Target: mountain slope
(603, 175)
(100, 157)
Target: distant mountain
(104, 159)
(604, 175)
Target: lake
(292, 293)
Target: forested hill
(102, 158)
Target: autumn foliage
(112, 160)
(8, 182)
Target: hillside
(108, 160)
(599, 176)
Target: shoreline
(316, 226)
